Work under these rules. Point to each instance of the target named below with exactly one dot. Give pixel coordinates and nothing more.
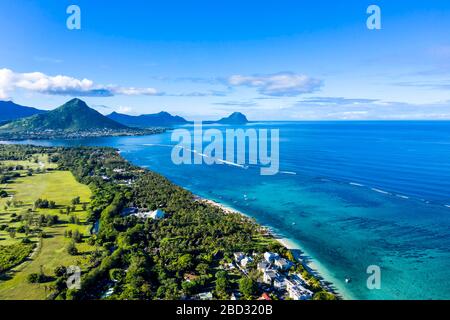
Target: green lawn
(42, 162)
(58, 186)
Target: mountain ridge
(10, 111)
(234, 118)
(160, 119)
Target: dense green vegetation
(13, 255)
(34, 213)
(181, 255)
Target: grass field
(50, 252)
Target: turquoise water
(352, 194)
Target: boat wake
(289, 172)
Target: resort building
(263, 266)
(269, 276)
(265, 297)
(299, 293)
(282, 264)
(246, 260)
(205, 296)
(157, 214)
(270, 257)
(279, 282)
(296, 290)
(238, 256)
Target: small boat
(348, 280)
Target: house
(238, 256)
(269, 276)
(265, 297)
(117, 170)
(299, 293)
(235, 296)
(296, 290)
(271, 256)
(279, 282)
(282, 264)
(245, 261)
(188, 277)
(263, 266)
(205, 296)
(157, 214)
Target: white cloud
(337, 101)
(278, 84)
(62, 85)
(135, 91)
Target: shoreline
(310, 264)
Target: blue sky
(272, 60)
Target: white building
(269, 276)
(263, 266)
(238, 256)
(271, 256)
(157, 214)
(245, 261)
(283, 264)
(296, 290)
(205, 296)
(299, 293)
(279, 283)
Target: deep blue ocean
(351, 194)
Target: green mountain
(72, 116)
(234, 118)
(161, 119)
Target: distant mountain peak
(74, 115)
(75, 103)
(234, 118)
